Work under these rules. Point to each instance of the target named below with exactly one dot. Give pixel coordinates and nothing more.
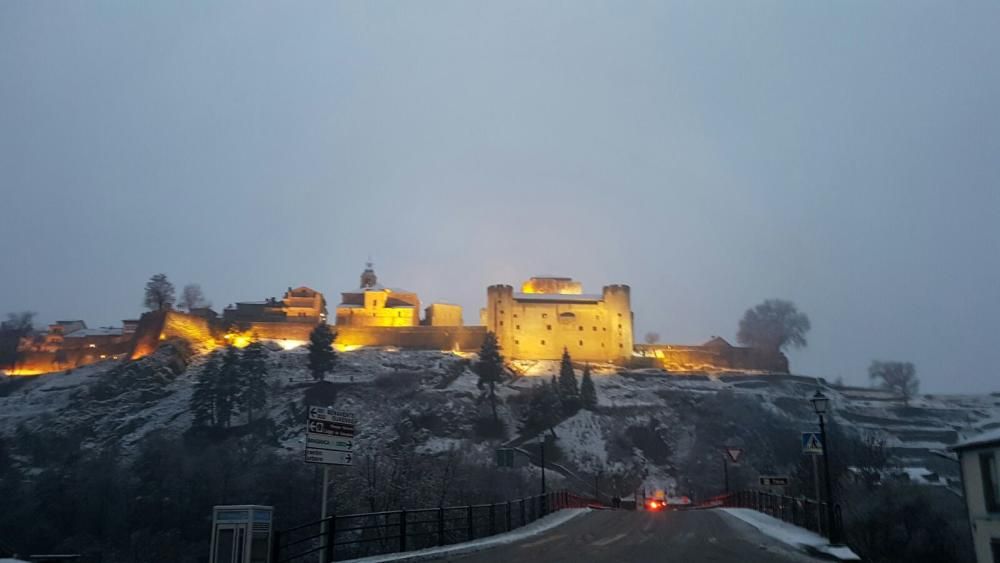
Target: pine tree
(588, 393)
(543, 410)
(322, 357)
(203, 398)
(227, 387)
(253, 388)
(490, 368)
(569, 390)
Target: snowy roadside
(535, 528)
(793, 536)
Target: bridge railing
(800, 511)
(346, 536)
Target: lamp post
(820, 404)
(542, 499)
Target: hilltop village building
(374, 305)
(550, 314)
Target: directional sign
(328, 457)
(774, 480)
(329, 436)
(331, 428)
(812, 443)
(333, 443)
(734, 454)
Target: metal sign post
(329, 441)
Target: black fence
(349, 536)
(800, 511)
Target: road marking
(612, 539)
(543, 540)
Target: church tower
(368, 278)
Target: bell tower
(368, 278)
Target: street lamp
(820, 404)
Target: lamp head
(820, 402)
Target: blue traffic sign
(812, 443)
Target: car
(656, 505)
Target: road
(616, 536)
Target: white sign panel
(329, 436)
(328, 457)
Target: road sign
(734, 454)
(332, 443)
(812, 443)
(774, 480)
(328, 457)
(329, 436)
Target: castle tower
(499, 312)
(368, 278)
(618, 301)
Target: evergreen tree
(543, 409)
(569, 390)
(490, 368)
(322, 357)
(228, 386)
(253, 389)
(203, 398)
(588, 393)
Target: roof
(376, 287)
(104, 331)
(562, 297)
(986, 439)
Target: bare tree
(192, 297)
(652, 337)
(900, 377)
(773, 325)
(12, 330)
(159, 293)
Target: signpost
(732, 454)
(329, 441)
(774, 481)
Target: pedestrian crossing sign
(812, 443)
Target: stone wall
(679, 358)
(462, 338)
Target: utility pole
(725, 473)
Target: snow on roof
(103, 331)
(568, 297)
(989, 438)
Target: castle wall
(462, 338)
(679, 358)
(599, 331)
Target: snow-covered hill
(651, 429)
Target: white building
(978, 457)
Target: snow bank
(788, 534)
(536, 528)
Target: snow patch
(788, 534)
(536, 528)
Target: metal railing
(348, 536)
(800, 511)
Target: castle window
(581, 328)
(501, 323)
(621, 345)
(548, 327)
(619, 327)
(517, 327)
(581, 343)
(516, 341)
(501, 311)
(545, 315)
(543, 343)
(515, 315)
(595, 329)
(619, 315)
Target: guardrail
(800, 511)
(348, 536)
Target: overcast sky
(845, 156)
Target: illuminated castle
(551, 313)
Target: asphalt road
(625, 536)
